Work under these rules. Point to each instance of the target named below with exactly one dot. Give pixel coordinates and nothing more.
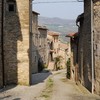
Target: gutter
(2, 43)
(92, 47)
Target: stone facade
(84, 47)
(57, 48)
(1, 73)
(87, 69)
(50, 47)
(64, 52)
(73, 55)
(86, 28)
(43, 54)
(39, 45)
(80, 46)
(16, 37)
(53, 38)
(35, 40)
(81, 49)
(96, 26)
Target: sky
(69, 10)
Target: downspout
(92, 47)
(2, 43)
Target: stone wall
(43, 45)
(34, 42)
(74, 56)
(63, 52)
(85, 64)
(0, 44)
(87, 74)
(84, 53)
(80, 50)
(55, 45)
(97, 45)
(16, 42)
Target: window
(54, 39)
(35, 58)
(11, 8)
(40, 41)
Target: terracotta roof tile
(52, 33)
(72, 34)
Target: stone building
(73, 56)
(35, 40)
(39, 44)
(80, 23)
(53, 47)
(50, 47)
(64, 53)
(16, 42)
(96, 34)
(1, 68)
(89, 46)
(53, 38)
(42, 49)
(57, 48)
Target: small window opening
(35, 58)
(11, 8)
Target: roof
(42, 27)
(72, 34)
(36, 12)
(52, 33)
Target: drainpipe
(2, 43)
(92, 47)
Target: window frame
(9, 3)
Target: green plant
(46, 93)
(68, 69)
(57, 62)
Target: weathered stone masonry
(17, 46)
(1, 81)
(87, 34)
(35, 42)
(85, 49)
(96, 26)
(43, 45)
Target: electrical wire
(57, 2)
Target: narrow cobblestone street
(51, 86)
